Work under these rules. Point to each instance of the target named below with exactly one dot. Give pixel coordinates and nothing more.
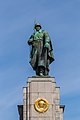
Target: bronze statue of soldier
(41, 54)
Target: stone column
(45, 88)
(42, 88)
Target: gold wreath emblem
(41, 105)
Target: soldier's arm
(47, 40)
(30, 40)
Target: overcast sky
(61, 18)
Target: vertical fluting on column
(28, 102)
(24, 103)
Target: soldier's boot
(46, 71)
(41, 71)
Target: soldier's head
(37, 26)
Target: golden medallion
(41, 105)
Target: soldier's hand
(46, 45)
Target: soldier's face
(38, 28)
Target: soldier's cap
(37, 24)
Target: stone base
(45, 88)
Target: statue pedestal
(41, 100)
